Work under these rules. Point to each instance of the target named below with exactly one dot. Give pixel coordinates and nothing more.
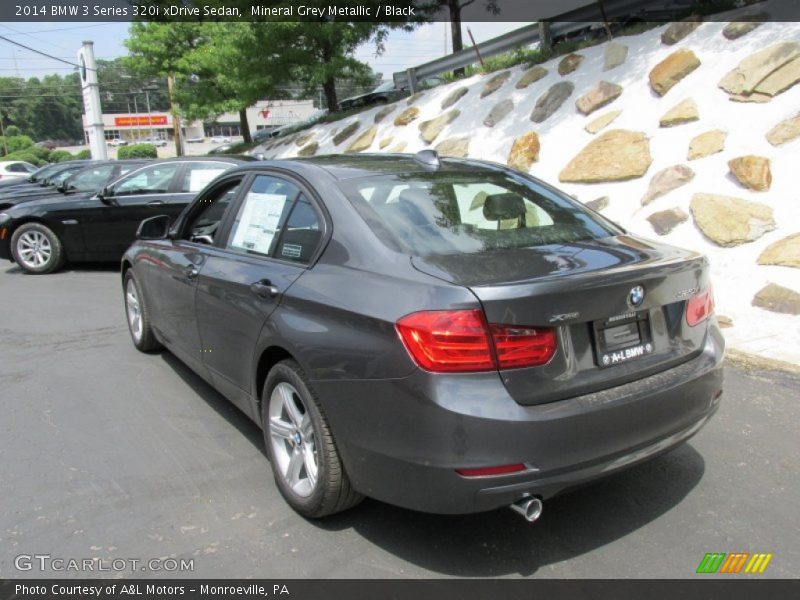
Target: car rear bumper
(402, 440)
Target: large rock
(615, 54)
(598, 204)
(530, 76)
(384, 112)
(457, 147)
(744, 79)
(569, 63)
(364, 141)
(495, 83)
(666, 74)
(602, 121)
(752, 172)
(667, 180)
(309, 150)
(304, 139)
(776, 298)
(398, 147)
(616, 155)
(405, 117)
(385, 142)
(736, 29)
(684, 112)
(551, 101)
(429, 130)
(454, 97)
(346, 132)
(414, 97)
(598, 96)
(785, 252)
(706, 144)
(785, 131)
(524, 151)
(728, 221)
(498, 112)
(665, 221)
(679, 30)
(780, 80)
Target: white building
(265, 113)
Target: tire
(137, 315)
(318, 486)
(36, 249)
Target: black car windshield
(440, 213)
(90, 179)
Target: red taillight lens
(484, 471)
(700, 307)
(523, 346)
(458, 341)
(447, 341)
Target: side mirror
(154, 228)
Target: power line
(57, 59)
(16, 32)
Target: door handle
(155, 203)
(264, 288)
(191, 272)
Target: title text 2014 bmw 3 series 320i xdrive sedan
(445, 335)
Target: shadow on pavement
(501, 542)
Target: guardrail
(526, 36)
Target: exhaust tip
(530, 508)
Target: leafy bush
(27, 157)
(138, 151)
(84, 154)
(60, 156)
(39, 152)
(13, 130)
(15, 143)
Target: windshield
(90, 179)
(384, 87)
(439, 214)
(59, 177)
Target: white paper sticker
(200, 178)
(259, 222)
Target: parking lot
(109, 453)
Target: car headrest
(500, 207)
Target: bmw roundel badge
(636, 296)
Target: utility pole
(176, 120)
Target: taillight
(459, 341)
(523, 346)
(484, 471)
(700, 307)
(447, 341)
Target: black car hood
(50, 203)
(553, 260)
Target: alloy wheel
(34, 249)
(134, 309)
(293, 440)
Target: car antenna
(429, 158)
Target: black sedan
(40, 235)
(383, 94)
(42, 178)
(446, 335)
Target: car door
(109, 227)
(172, 274)
(269, 242)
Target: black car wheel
(305, 462)
(37, 249)
(138, 316)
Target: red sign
(144, 121)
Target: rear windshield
(439, 214)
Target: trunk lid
(584, 290)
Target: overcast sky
(63, 40)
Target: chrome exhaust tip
(530, 508)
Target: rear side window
(199, 174)
(301, 234)
(446, 213)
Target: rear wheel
(37, 249)
(138, 316)
(305, 461)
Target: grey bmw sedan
(446, 335)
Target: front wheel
(37, 249)
(305, 461)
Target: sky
(403, 50)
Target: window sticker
(258, 222)
(200, 178)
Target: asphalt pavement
(112, 454)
